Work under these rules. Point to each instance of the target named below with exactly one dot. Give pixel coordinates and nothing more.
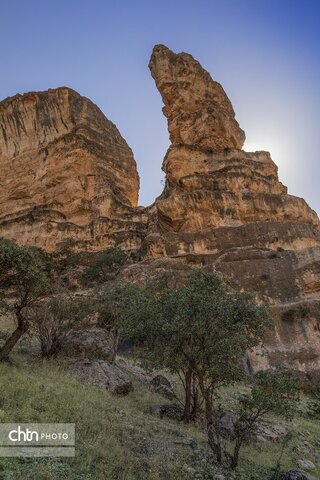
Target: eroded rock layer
(65, 171)
(207, 188)
(224, 208)
(197, 108)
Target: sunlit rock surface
(226, 209)
(66, 172)
(197, 108)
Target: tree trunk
(236, 451)
(188, 393)
(21, 329)
(213, 444)
(195, 399)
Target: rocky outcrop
(162, 386)
(89, 343)
(101, 374)
(65, 171)
(209, 188)
(213, 183)
(168, 410)
(197, 108)
(224, 208)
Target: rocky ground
(135, 432)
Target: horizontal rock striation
(65, 171)
(208, 188)
(224, 208)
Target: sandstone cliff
(65, 171)
(226, 209)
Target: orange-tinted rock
(65, 171)
(209, 188)
(225, 209)
(197, 108)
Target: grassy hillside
(117, 438)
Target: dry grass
(117, 437)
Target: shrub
(288, 315)
(53, 320)
(271, 392)
(105, 266)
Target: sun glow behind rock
(267, 145)
(281, 153)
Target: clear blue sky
(266, 53)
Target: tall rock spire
(197, 108)
(210, 181)
(226, 208)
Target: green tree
(271, 392)
(24, 279)
(65, 255)
(105, 266)
(52, 320)
(118, 310)
(201, 330)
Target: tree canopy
(24, 277)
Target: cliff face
(208, 188)
(226, 209)
(65, 171)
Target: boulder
(158, 383)
(293, 475)
(226, 421)
(306, 464)
(101, 374)
(162, 386)
(135, 370)
(264, 431)
(92, 343)
(269, 432)
(170, 410)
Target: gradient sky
(266, 54)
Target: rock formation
(197, 108)
(226, 209)
(210, 182)
(65, 171)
